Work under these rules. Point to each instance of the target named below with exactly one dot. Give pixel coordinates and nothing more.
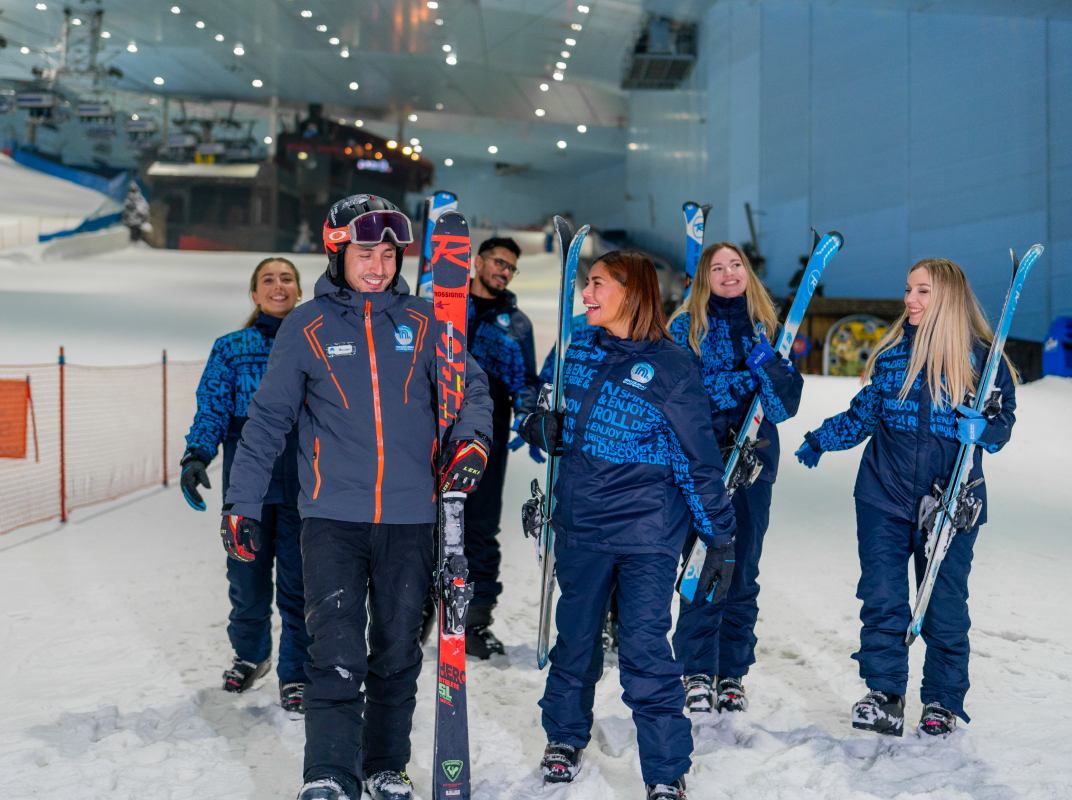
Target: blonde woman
(917, 381)
(726, 321)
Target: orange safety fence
(72, 436)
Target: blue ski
(742, 467)
(955, 508)
(434, 207)
(695, 221)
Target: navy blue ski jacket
(501, 341)
(730, 384)
(233, 372)
(640, 460)
(914, 443)
(357, 373)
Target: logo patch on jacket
(404, 339)
(504, 320)
(639, 375)
(341, 349)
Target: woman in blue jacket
(726, 320)
(639, 466)
(918, 378)
(234, 370)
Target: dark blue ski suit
(231, 376)
(500, 341)
(357, 373)
(913, 444)
(719, 638)
(640, 465)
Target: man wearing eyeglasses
(501, 342)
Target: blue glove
(807, 454)
(761, 354)
(534, 452)
(971, 425)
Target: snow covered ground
(112, 627)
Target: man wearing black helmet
(355, 369)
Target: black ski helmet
(337, 237)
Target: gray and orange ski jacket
(357, 372)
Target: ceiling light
(333, 40)
(493, 149)
(342, 121)
(307, 13)
(575, 26)
(439, 22)
(414, 142)
(257, 83)
(132, 48)
(557, 76)
(158, 81)
(41, 7)
(360, 123)
(76, 21)
(322, 28)
(353, 85)
(583, 9)
(414, 156)
(302, 155)
(540, 112)
(407, 150)
(448, 162)
(565, 54)
(175, 10)
(561, 145)
(134, 117)
(199, 24)
(105, 35)
(412, 117)
(239, 50)
(153, 101)
(446, 48)
(544, 87)
(582, 129)
(345, 53)
(392, 144)
(349, 151)
(267, 139)
(24, 50)
(634, 146)
(560, 64)
(452, 60)
(433, 4)
(219, 37)
(438, 106)
(379, 155)
(571, 42)
(417, 149)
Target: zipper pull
(368, 308)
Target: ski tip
(840, 238)
(689, 205)
(815, 239)
(706, 209)
(446, 214)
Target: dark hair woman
(640, 466)
(235, 367)
(716, 642)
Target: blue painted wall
(913, 134)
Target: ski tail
(695, 223)
(434, 207)
(570, 253)
(954, 499)
(742, 468)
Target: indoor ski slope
(112, 627)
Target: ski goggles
(371, 228)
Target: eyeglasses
(503, 264)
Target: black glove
(464, 465)
(241, 536)
(193, 475)
(543, 429)
(717, 571)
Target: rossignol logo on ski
(639, 375)
(444, 248)
(453, 768)
(341, 349)
(404, 339)
(695, 228)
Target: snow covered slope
(32, 203)
(112, 627)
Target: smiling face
(276, 289)
(729, 277)
(917, 294)
(603, 298)
(494, 271)
(370, 268)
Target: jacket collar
(505, 301)
(727, 307)
(627, 348)
(379, 301)
(268, 325)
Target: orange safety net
(14, 405)
(114, 436)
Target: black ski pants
(483, 512)
(359, 699)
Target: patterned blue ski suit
(719, 638)
(913, 444)
(640, 465)
(231, 376)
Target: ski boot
(323, 789)
(698, 693)
(880, 712)
(390, 785)
(667, 791)
(730, 695)
(937, 720)
(561, 762)
(290, 698)
(244, 674)
(479, 640)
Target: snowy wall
(913, 134)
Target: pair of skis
(742, 466)
(536, 512)
(433, 208)
(949, 511)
